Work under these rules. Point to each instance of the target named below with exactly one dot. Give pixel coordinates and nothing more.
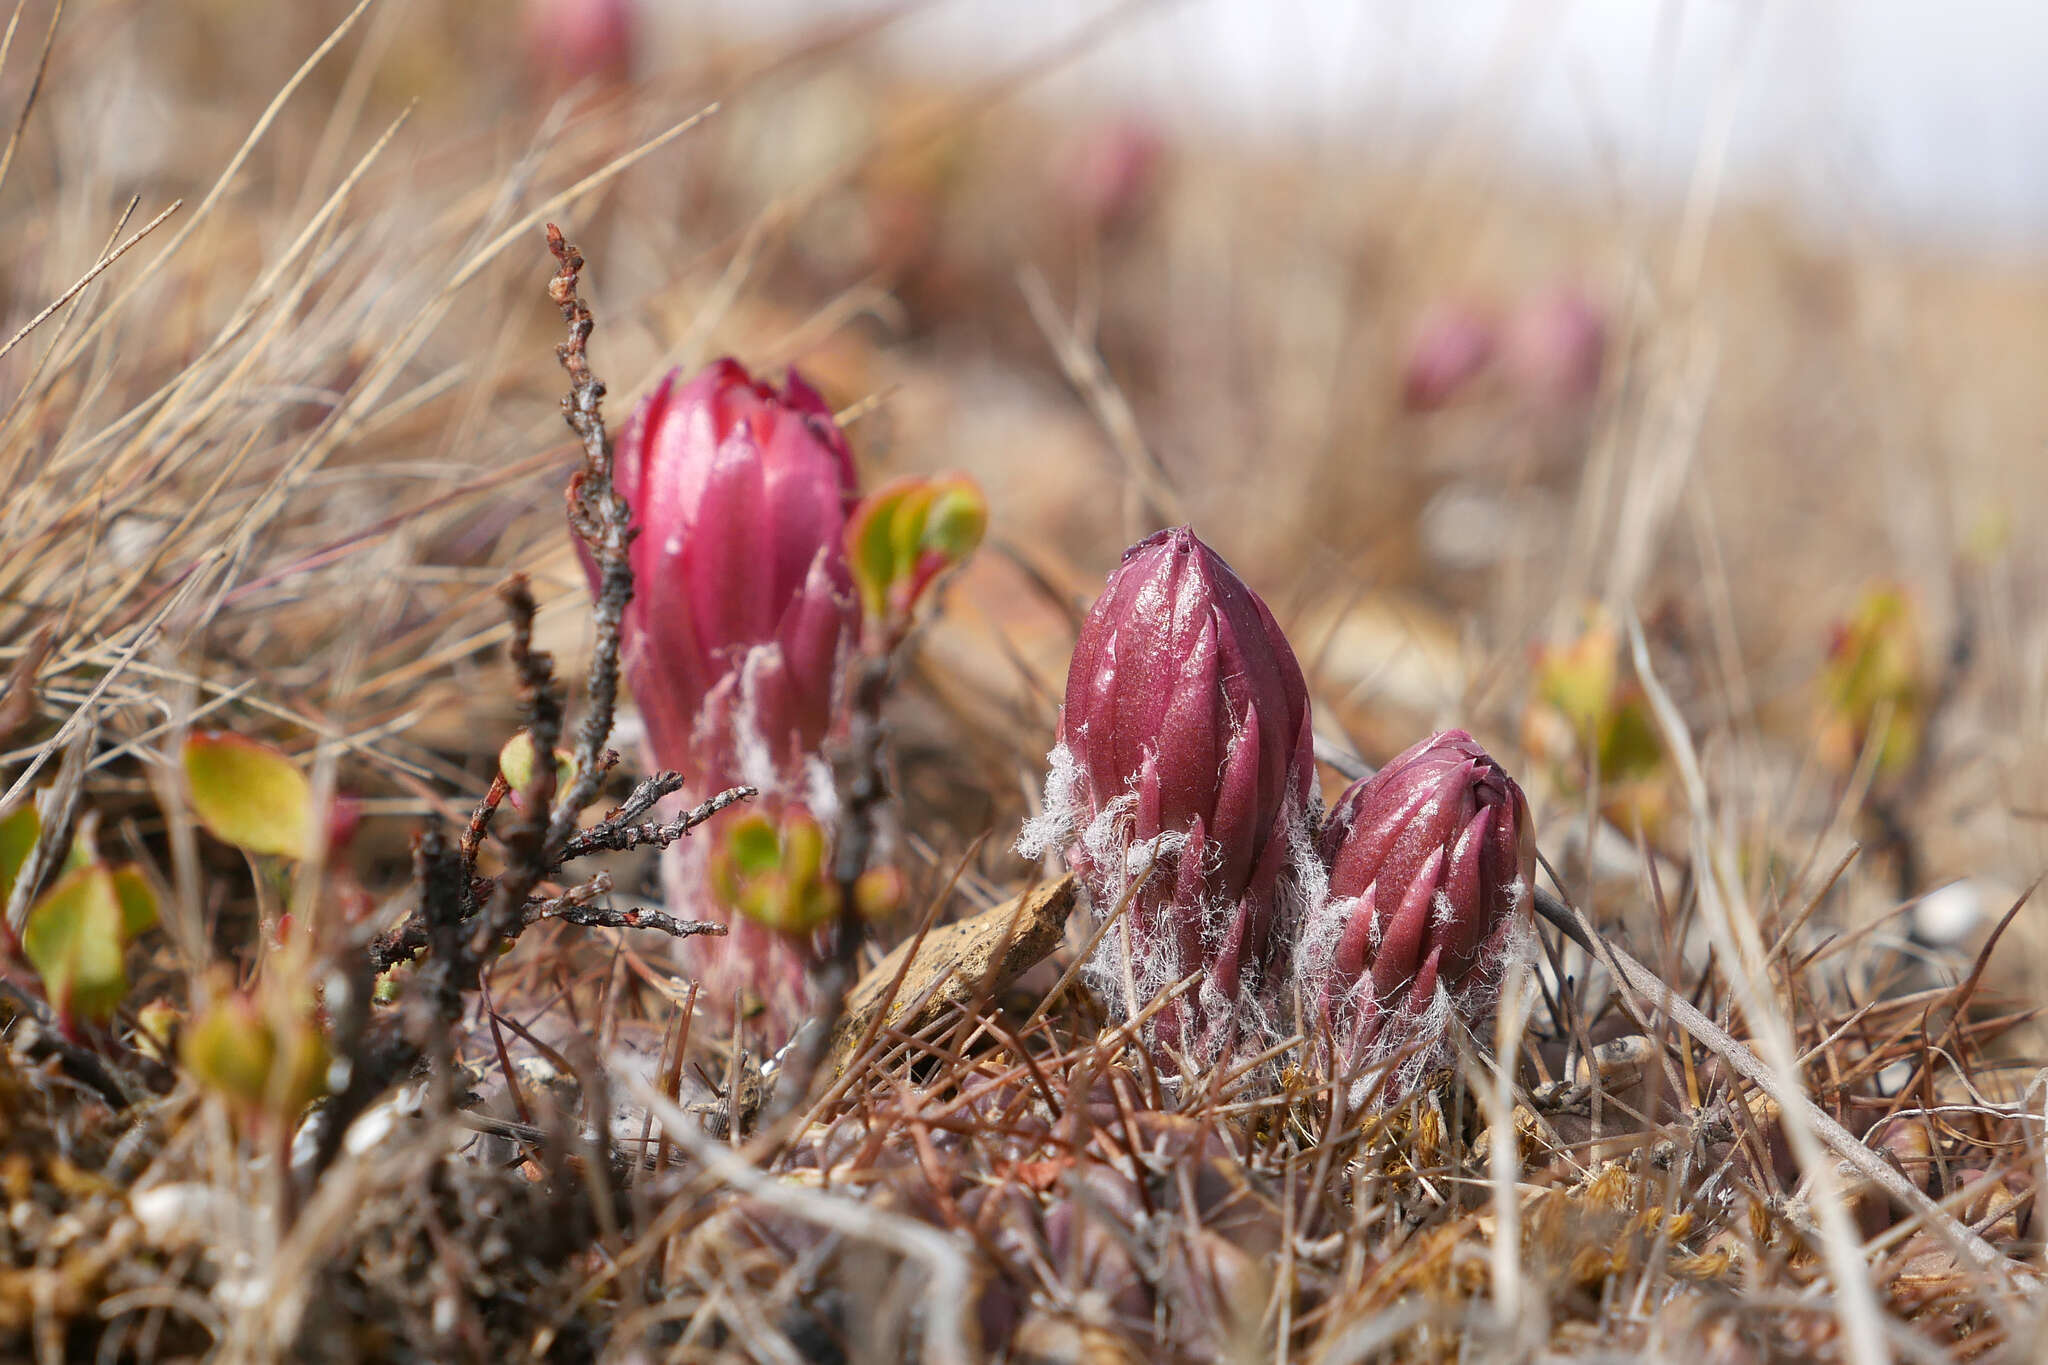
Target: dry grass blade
(98, 266)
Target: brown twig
(526, 842)
(600, 516)
(577, 907)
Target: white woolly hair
(821, 793)
(755, 755)
(1053, 826)
(1147, 870)
(1417, 1038)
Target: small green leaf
(904, 535)
(249, 794)
(773, 873)
(880, 893)
(138, 900)
(75, 939)
(871, 556)
(232, 1048)
(156, 1026)
(265, 1052)
(958, 521)
(756, 847)
(19, 830)
(515, 760)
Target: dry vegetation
(267, 469)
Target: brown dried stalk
(599, 514)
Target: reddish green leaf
(75, 937)
(903, 535)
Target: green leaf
(774, 874)
(958, 521)
(870, 554)
(756, 847)
(75, 939)
(266, 1054)
(249, 794)
(232, 1048)
(19, 830)
(138, 900)
(906, 533)
(515, 760)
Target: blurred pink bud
(1431, 861)
(1185, 742)
(344, 818)
(1555, 347)
(1108, 174)
(741, 603)
(1453, 346)
(571, 41)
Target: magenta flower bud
(1452, 347)
(736, 639)
(1555, 348)
(1185, 759)
(1431, 860)
(568, 41)
(742, 606)
(1109, 173)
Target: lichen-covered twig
(616, 835)
(598, 513)
(527, 840)
(578, 905)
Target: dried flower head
(1182, 780)
(1430, 861)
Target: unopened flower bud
(1451, 348)
(1108, 174)
(568, 41)
(741, 598)
(1182, 781)
(735, 646)
(1430, 861)
(1555, 349)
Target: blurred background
(1470, 333)
(1887, 117)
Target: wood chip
(955, 964)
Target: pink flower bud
(1108, 174)
(1430, 862)
(1185, 759)
(1452, 347)
(1555, 348)
(568, 41)
(742, 606)
(736, 640)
